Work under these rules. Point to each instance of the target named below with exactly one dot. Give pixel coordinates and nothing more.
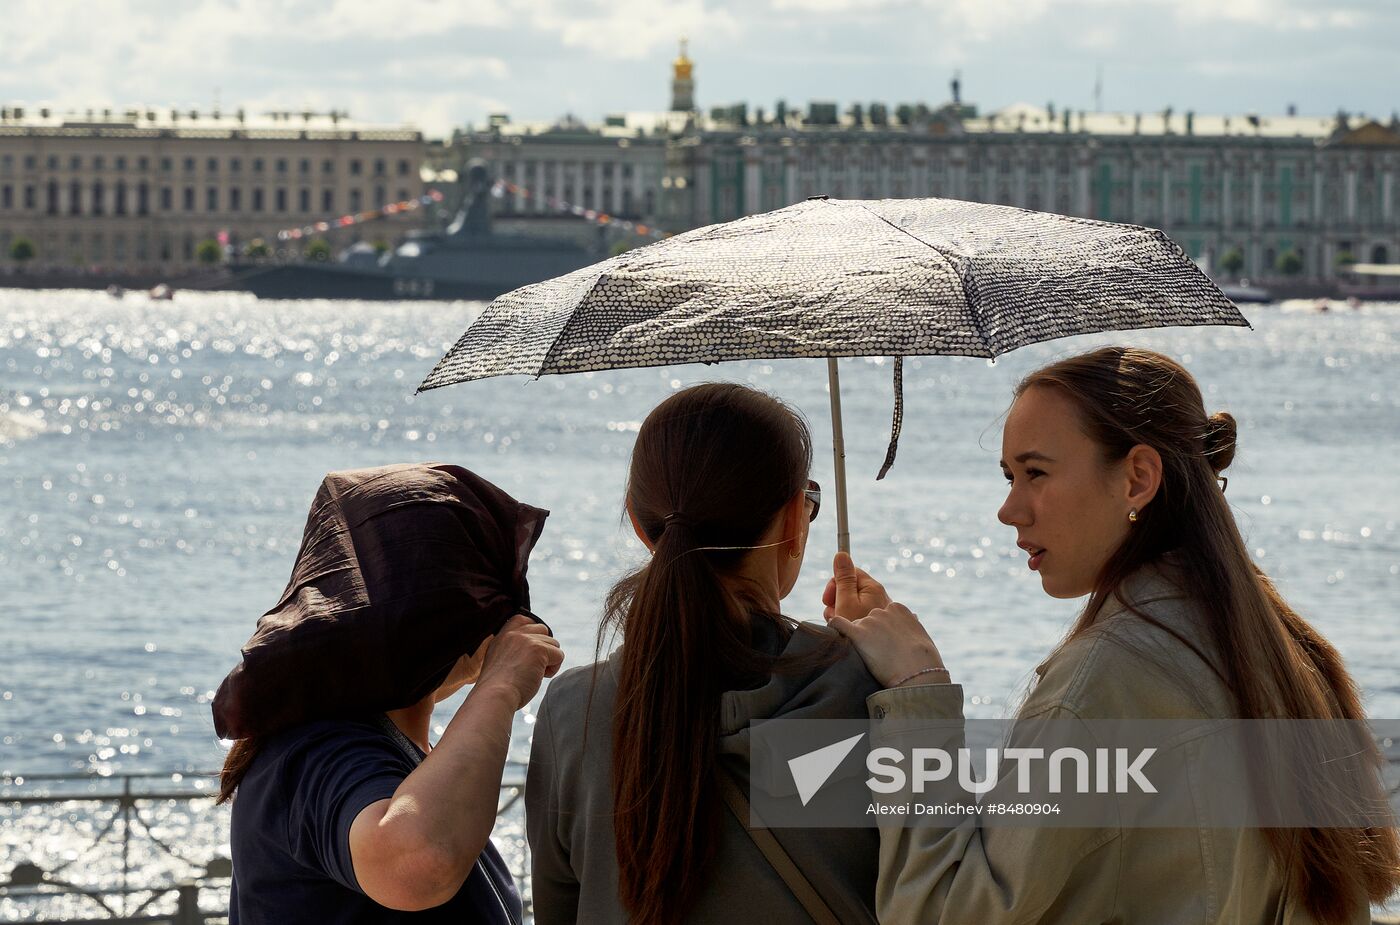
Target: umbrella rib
(968, 296)
(563, 329)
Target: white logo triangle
(812, 770)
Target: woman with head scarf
(409, 585)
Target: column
(1166, 193)
(1387, 192)
(1225, 193)
(702, 190)
(1082, 186)
(558, 183)
(1350, 197)
(1317, 213)
(1256, 195)
(537, 186)
(599, 202)
(753, 181)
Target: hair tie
(676, 517)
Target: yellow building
(137, 190)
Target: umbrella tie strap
(898, 417)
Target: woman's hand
(521, 655)
(851, 592)
(893, 644)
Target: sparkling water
(157, 460)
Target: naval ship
(466, 261)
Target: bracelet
(919, 672)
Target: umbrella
(835, 278)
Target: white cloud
(629, 29)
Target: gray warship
(467, 260)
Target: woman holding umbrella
(634, 800)
(1116, 494)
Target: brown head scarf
(402, 570)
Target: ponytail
(712, 466)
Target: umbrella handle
(838, 446)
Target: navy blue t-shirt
(290, 834)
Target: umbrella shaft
(838, 446)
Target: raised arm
(415, 850)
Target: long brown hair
(1274, 663)
(236, 764)
(712, 466)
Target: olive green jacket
(1122, 668)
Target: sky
(440, 64)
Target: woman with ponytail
(1116, 493)
(625, 811)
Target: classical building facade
(138, 190)
(1306, 193)
(1323, 189)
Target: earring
(792, 554)
(1132, 515)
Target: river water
(157, 460)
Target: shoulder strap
(780, 860)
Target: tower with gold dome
(682, 82)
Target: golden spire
(682, 66)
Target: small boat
(1242, 292)
(116, 291)
(161, 292)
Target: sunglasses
(813, 493)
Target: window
(235, 199)
(304, 200)
(143, 200)
(403, 195)
(235, 164)
(75, 162)
(211, 199)
(166, 164)
(167, 199)
(379, 167)
(30, 162)
(328, 167)
(304, 165)
(31, 198)
(189, 199)
(53, 197)
(75, 198)
(380, 195)
(143, 163)
(7, 196)
(355, 167)
(257, 165)
(356, 202)
(189, 165)
(53, 162)
(404, 167)
(212, 165)
(327, 200)
(257, 199)
(281, 165)
(119, 197)
(121, 163)
(281, 200)
(98, 162)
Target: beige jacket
(1080, 876)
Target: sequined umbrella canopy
(838, 278)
